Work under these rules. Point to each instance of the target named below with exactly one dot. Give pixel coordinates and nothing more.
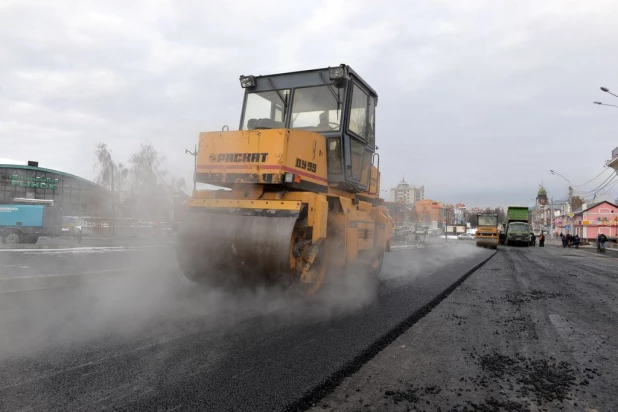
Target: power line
(605, 169)
(610, 187)
(613, 178)
(609, 179)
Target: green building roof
(42, 169)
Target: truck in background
(517, 226)
(487, 230)
(25, 223)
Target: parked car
(466, 236)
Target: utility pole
(113, 201)
(194, 154)
(446, 224)
(551, 216)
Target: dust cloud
(407, 265)
(151, 301)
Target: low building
(456, 229)
(599, 218)
(76, 196)
(428, 211)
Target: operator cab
(334, 102)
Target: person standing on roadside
(601, 239)
(541, 240)
(564, 240)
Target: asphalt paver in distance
(532, 330)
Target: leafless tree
(147, 185)
(146, 169)
(107, 166)
(577, 202)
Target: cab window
(358, 113)
(371, 132)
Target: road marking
(82, 249)
(88, 276)
(52, 275)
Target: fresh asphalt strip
(330, 383)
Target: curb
(330, 383)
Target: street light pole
(446, 224)
(606, 90)
(570, 189)
(194, 154)
(551, 216)
(113, 202)
(604, 104)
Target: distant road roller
(300, 182)
(487, 230)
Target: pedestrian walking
(541, 240)
(564, 240)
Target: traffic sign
(567, 227)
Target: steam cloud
(153, 301)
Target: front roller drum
(487, 242)
(236, 247)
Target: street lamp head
(605, 89)
(597, 102)
(552, 172)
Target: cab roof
(305, 78)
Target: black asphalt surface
(534, 329)
(154, 341)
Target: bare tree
(148, 187)
(106, 165)
(576, 203)
(473, 219)
(178, 185)
(146, 169)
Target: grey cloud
(478, 99)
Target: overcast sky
(477, 99)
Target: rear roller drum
(235, 248)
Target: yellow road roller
(487, 230)
(299, 183)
